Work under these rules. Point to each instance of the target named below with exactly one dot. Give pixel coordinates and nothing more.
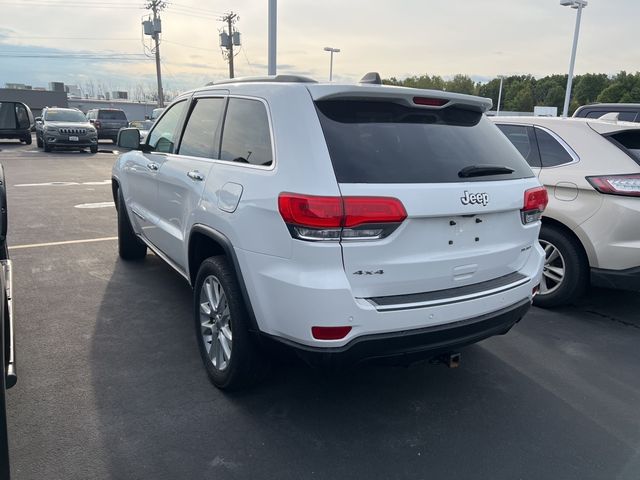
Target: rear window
(8, 118)
(385, 142)
(628, 141)
(111, 115)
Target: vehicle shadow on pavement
(159, 417)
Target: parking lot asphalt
(110, 383)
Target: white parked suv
(348, 222)
(591, 228)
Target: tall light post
(332, 50)
(499, 97)
(273, 36)
(577, 5)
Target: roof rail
(266, 78)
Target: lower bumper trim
(422, 343)
(628, 279)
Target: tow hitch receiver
(451, 359)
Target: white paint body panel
(293, 284)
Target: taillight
(627, 185)
(430, 102)
(535, 201)
(310, 217)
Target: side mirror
(129, 138)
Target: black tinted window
(201, 132)
(8, 115)
(627, 116)
(384, 142)
(22, 116)
(246, 137)
(73, 116)
(523, 138)
(111, 115)
(595, 114)
(551, 152)
(628, 141)
(162, 137)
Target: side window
(552, 153)
(201, 137)
(627, 116)
(162, 137)
(246, 137)
(523, 138)
(595, 114)
(22, 116)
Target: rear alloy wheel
(229, 353)
(565, 274)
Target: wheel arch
(571, 234)
(115, 187)
(205, 242)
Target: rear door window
(524, 139)
(386, 142)
(552, 153)
(201, 137)
(112, 115)
(246, 137)
(22, 116)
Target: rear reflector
(535, 201)
(627, 185)
(430, 102)
(330, 333)
(333, 218)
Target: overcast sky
(481, 38)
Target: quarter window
(523, 138)
(552, 153)
(201, 135)
(246, 137)
(162, 137)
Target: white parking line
(95, 205)
(62, 184)
(67, 242)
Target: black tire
(130, 247)
(46, 146)
(94, 149)
(38, 141)
(246, 364)
(27, 139)
(576, 268)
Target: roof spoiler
(372, 78)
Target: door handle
(195, 175)
(152, 166)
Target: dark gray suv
(108, 122)
(65, 128)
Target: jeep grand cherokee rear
(348, 222)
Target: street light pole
(578, 5)
(273, 36)
(499, 97)
(332, 50)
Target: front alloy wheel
(215, 321)
(553, 270)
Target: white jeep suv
(349, 222)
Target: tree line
(520, 93)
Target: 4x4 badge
(369, 272)
(475, 199)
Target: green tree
(554, 97)
(588, 87)
(460, 84)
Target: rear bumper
(9, 133)
(416, 344)
(628, 279)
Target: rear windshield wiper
(483, 170)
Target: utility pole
(230, 38)
(154, 29)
